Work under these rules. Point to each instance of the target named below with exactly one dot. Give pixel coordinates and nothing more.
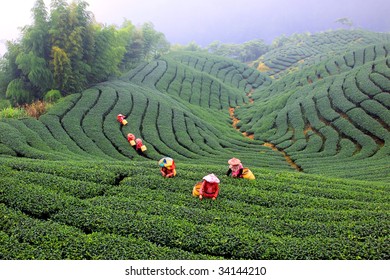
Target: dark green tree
(134, 50)
(36, 72)
(8, 68)
(155, 42)
(32, 59)
(71, 32)
(66, 50)
(62, 69)
(36, 38)
(17, 93)
(109, 51)
(58, 23)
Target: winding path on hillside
(289, 160)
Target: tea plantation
(314, 131)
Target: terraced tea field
(111, 210)
(316, 137)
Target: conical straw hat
(211, 178)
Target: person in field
(209, 187)
(140, 148)
(131, 139)
(237, 170)
(121, 119)
(167, 167)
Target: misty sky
(228, 21)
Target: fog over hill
(227, 21)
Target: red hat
(130, 136)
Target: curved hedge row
(133, 204)
(73, 188)
(168, 104)
(302, 51)
(346, 110)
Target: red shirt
(139, 144)
(209, 189)
(120, 118)
(167, 172)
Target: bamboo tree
(87, 23)
(154, 41)
(58, 23)
(77, 46)
(134, 51)
(65, 49)
(61, 67)
(72, 33)
(33, 58)
(8, 68)
(39, 34)
(17, 92)
(109, 52)
(37, 72)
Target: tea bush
(311, 216)
(72, 187)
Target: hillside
(321, 118)
(332, 117)
(315, 132)
(167, 103)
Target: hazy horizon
(228, 21)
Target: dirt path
(235, 121)
(267, 144)
(249, 95)
(286, 156)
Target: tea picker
(209, 187)
(121, 119)
(131, 139)
(167, 167)
(236, 170)
(139, 146)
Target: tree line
(245, 52)
(65, 50)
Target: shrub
(52, 96)
(35, 109)
(10, 112)
(4, 103)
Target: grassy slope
(90, 191)
(332, 116)
(102, 210)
